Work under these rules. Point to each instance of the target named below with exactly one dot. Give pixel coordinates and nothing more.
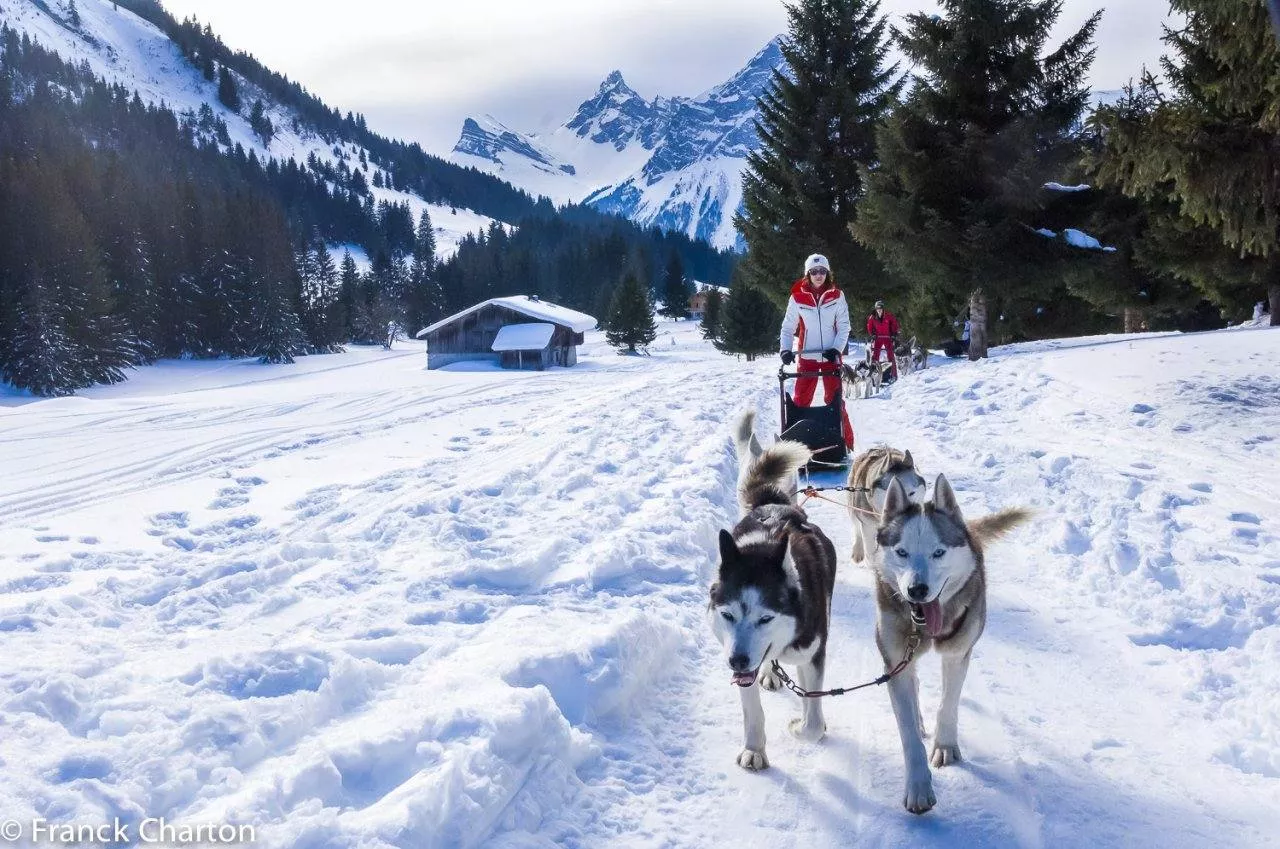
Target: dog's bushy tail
(744, 438)
(993, 527)
(771, 477)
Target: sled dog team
(771, 601)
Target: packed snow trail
(355, 603)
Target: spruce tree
(348, 296)
(261, 124)
(1212, 149)
(39, 357)
(675, 289)
(711, 314)
(749, 321)
(630, 323)
(279, 336)
(817, 130)
(426, 296)
(228, 93)
(955, 201)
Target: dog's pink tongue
(933, 618)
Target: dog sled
(817, 427)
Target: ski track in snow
(368, 605)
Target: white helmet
(816, 261)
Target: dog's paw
(752, 760)
(919, 797)
(944, 755)
(803, 731)
(768, 681)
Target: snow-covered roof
(524, 337)
(530, 305)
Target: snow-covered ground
(356, 603)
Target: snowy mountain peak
(488, 139)
(615, 115)
(675, 162)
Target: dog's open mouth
(746, 679)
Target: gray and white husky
(870, 474)
(772, 595)
(929, 562)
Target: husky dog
(772, 597)
(902, 353)
(919, 356)
(931, 588)
(857, 379)
(870, 474)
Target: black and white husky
(931, 591)
(772, 597)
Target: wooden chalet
(517, 332)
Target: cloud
(417, 69)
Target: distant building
(519, 332)
(698, 303)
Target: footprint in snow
(1200, 486)
(229, 497)
(1246, 518)
(1142, 409)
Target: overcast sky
(417, 68)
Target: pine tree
(711, 313)
(228, 93)
(73, 14)
(675, 289)
(261, 124)
(1212, 150)
(426, 296)
(348, 296)
(279, 334)
(40, 357)
(953, 205)
(817, 130)
(630, 323)
(749, 321)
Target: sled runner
(817, 427)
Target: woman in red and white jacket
(818, 315)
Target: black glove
(831, 355)
(788, 357)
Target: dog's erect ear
(895, 501)
(907, 462)
(728, 549)
(944, 499)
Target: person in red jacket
(818, 316)
(883, 329)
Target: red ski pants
(886, 344)
(806, 386)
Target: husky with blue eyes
(931, 592)
(772, 597)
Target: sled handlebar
(784, 375)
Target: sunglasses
(821, 271)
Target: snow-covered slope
(356, 603)
(121, 47)
(675, 162)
